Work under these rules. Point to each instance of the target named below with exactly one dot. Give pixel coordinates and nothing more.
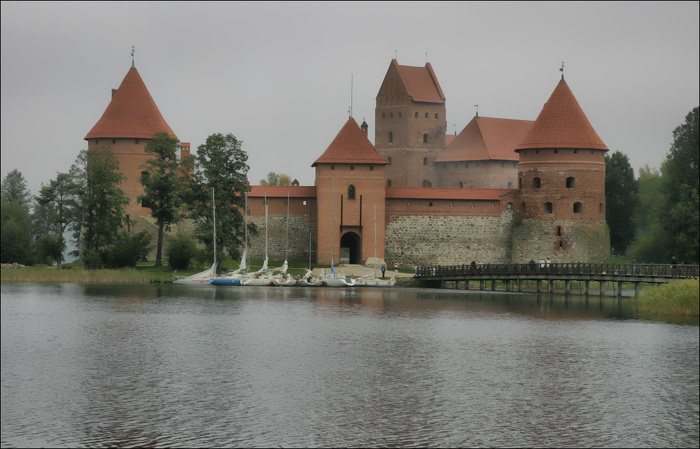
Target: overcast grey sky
(278, 75)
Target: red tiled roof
(486, 138)
(283, 191)
(421, 83)
(562, 124)
(446, 193)
(351, 146)
(131, 113)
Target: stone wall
(566, 241)
(299, 228)
(448, 240)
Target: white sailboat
(265, 276)
(203, 277)
(235, 277)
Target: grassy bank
(678, 298)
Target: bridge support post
(493, 285)
(636, 289)
(481, 285)
(539, 285)
(567, 287)
(466, 284)
(520, 285)
(507, 285)
(619, 289)
(550, 286)
(585, 288)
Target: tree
(651, 239)
(103, 201)
(16, 240)
(181, 249)
(681, 185)
(162, 185)
(276, 179)
(14, 188)
(621, 201)
(57, 205)
(221, 165)
(51, 246)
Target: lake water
(176, 366)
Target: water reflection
(176, 366)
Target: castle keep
(502, 191)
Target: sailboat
(265, 276)
(204, 277)
(235, 277)
(371, 279)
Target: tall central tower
(410, 124)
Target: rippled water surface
(172, 366)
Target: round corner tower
(129, 122)
(561, 177)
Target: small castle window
(436, 115)
(425, 161)
(388, 182)
(352, 167)
(559, 231)
(520, 183)
(351, 192)
(548, 207)
(97, 141)
(510, 184)
(578, 208)
(537, 151)
(556, 151)
(114, 140)
(425, 138)
(399, 115)
(136, 141)
(371, 168)
(537, 182)
(575, 151)
(332, 167)
(391, 137)
(570, 182)
(389, 159)
(416, 115)
(430, 204)
(426, 115)
(391, 115)
(461, 184)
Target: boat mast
(286, 251)
(245, 249)
(213, 207)
(332, 208)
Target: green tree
(681, 185)
(162, 185)
(220, 164)
(621, 198)
(651, 242)
(57, 206)
(16, 240)
(14, 188)
(181, 250)
(51, 246)
(276, 179)
(102, 205)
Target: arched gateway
(350, 245)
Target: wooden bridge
(513, 275)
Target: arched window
(391, 137)
(436, 115)
(461, 185)
(388, 182)
(389, 159)
(578, 208)
(425, 138)
(425, 161)
(548, 207)
(570, 182)
(416, 115)
(537, 182)
(351, 192)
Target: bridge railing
(680, 271)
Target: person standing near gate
(383, 271)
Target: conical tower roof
(562, 124)
(351, 146)
(132, 113)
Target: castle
(502, 191)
